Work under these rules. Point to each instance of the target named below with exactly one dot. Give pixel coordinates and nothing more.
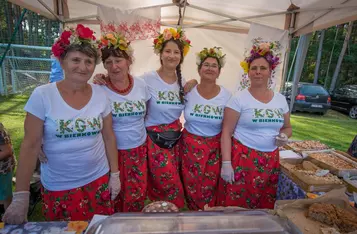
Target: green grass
(334, 129)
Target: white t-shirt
(204, 117)
(259, 123)
(128, 113)
(72, 139)
(164, 106)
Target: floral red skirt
(256, 179)
(201, 164)
(164, 183)
(78, 203)
(133, 178)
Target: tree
(339, 62)
(317, 67)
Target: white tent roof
(312, 15)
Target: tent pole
(299, 65)
(13, 35)
(80, 18)
(183, 14)
(50, 10)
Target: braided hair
(178, 67)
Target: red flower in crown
(65, 37)
(84, 32)
(57, 49)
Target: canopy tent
(208, 23)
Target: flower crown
(171, 33)
(116, 40)
(71, 36)
(268, 50)
(215, 52)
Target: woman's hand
(227, 172)
(42, 156)
(281, 139)
(190, 85)
(114, 185)
(99, 79)
(16, 213)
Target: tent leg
(300, 60)
(13, 35)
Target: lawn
(334, 129)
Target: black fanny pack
(165, 140)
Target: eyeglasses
(262, 68)
(207, 65)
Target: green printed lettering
(207, 109)
(140, 105)
(129, 106)
(279, 113)
(269, 113)
(171, 96)
(258, 113)
(117, 108)
(80, 125)
(64, 126)
(162, 95)
(197, 108)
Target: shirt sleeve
(147, 93)
(235, 103)
(35, 105)
(285, 105)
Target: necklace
(122, 90)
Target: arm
(112, 155)
(190, 85)
(5, 151)
(110, 143)
(29, 151)
(230, 121)
(287, 129)
(30, 147)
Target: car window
(313, 90)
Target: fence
(24, 68)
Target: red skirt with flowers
(164, 182)
(133, 178)
(201, 164)
(78, 203)
(256, 179)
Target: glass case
(252, 221)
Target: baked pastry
(160, 206)
(333, 160)
(308, 145)
(333, 216)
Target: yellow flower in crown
(215, 52)
(172, 34)
(116, 40)
(245, 66)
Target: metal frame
(50, 10)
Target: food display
(160, 206)
(332, 160)
(308, 145)
(334, 216)
(351, 183)
(310, 177)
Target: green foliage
(348, 72)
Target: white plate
(317, 106)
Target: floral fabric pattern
(256, 179)
(133, 177)
(7, 165)
(201, 164)
(288, 190)
(164, 183)
(79, 204)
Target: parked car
(309, 98)
(345, 99)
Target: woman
(260, 121)
(201, 138)
(128, 96)
(162, 118)
(74, 120)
